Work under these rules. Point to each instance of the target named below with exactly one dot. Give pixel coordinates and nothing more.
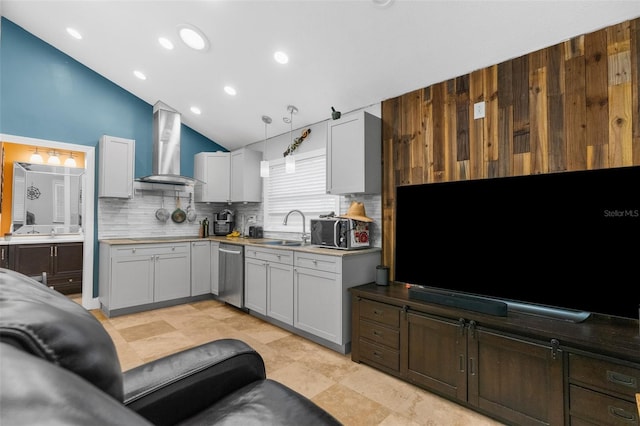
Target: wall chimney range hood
(166, 148)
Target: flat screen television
(566, 241)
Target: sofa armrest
(173, 388)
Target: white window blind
(304, 190)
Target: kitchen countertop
(42, 239)
(254, 242)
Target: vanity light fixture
(70, 162)
(289, 160)
(53, 158)
(264, 164)
(36, 157)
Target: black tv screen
(566, 240)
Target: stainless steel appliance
(231, 274)
(166, 147)
(340, 233)
(223, 222)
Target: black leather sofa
(59, 367)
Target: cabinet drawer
(379, 312)
(151, 249)
(380, 334)
(278, 256)
(604, 375)
(318, 262)
(600, 409)
(379, 355)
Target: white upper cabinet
(116, 164)
(246, 184)
(354, 150)
(213, 172)
(228, 176)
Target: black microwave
(340, 233)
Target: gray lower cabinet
(200, 267)
(307, 293)
(322, 302)
(269, 283)
(215, 266)
(137, 274)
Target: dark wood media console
(520, 369)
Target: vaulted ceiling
(342, 54)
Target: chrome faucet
(304, 229)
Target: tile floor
(354, 393)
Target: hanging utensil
(162, 214)
(191, 213)
(178, 215)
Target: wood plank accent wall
(572, 106)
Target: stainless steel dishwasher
(231, 274)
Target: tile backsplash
(135, 218)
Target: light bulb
(264, 168)
(70, 162)
(53, 159)
(290, 164)
(36, 157)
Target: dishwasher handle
(230, 251)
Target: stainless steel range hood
(166, 148)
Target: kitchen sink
(283, 243)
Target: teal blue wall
(48, 95)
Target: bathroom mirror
(46, 199)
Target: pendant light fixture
(289, 160)
(53, 158)
(70, 162)
(264, 164)
(36, 157)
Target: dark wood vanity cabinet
(512, 369)
(62, 262)
(4, 257)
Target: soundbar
(469, 303)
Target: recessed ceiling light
(230, 90)
(281, 57)
(165, 42)
(382, 3)
(74, 33)
(140, 75)
(196, 110)
(193, 37)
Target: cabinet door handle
(461, 363)
(622, 414)
(377, 333)
(55, 251)
(621, 379)
(377, 354)
(555, 344)
(461, 326)
(2, 253)
(51, 251)
(472, 369)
